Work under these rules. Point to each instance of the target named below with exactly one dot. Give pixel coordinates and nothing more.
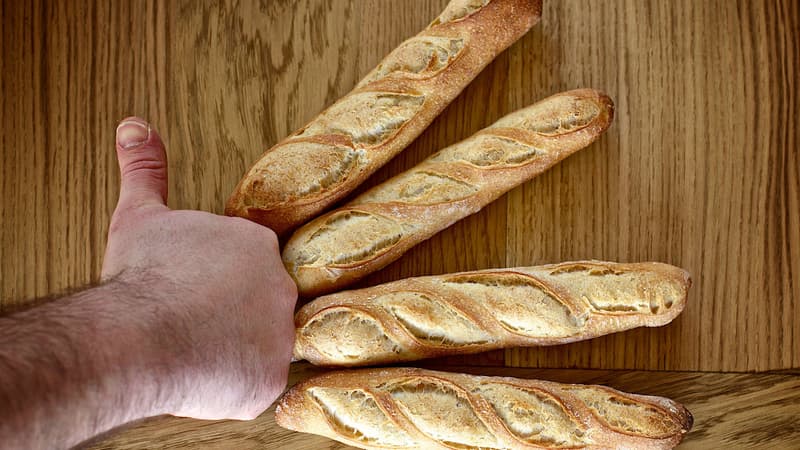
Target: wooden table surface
(731, 410)
(700, 168)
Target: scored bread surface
(325, 160)
(381, 224)
(472, 312)
(416, 408)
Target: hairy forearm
(196, 321)
(83, 364)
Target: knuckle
(150, 164)
(270, 238)
(276, 388)
(290, 288)
(264, 234)
(239, 223)
(289, 348)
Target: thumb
(142, 165)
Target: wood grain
(730, 411)
(700, 169)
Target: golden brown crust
(416, 408)
(380, 225)
(328, 158)
(472, 312)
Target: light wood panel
(753, 411)
(700, 168)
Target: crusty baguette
(322, 162)
(484, 310)
(415, 408)
(380, 225)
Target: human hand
(220, 295)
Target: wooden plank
(730, 411)
(73, 70)
(700, 168)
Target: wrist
(136, 359)
(93, 351)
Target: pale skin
(192, 317)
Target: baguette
(472, 312)
(415, 408)
(380, 225)
(328, 158)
